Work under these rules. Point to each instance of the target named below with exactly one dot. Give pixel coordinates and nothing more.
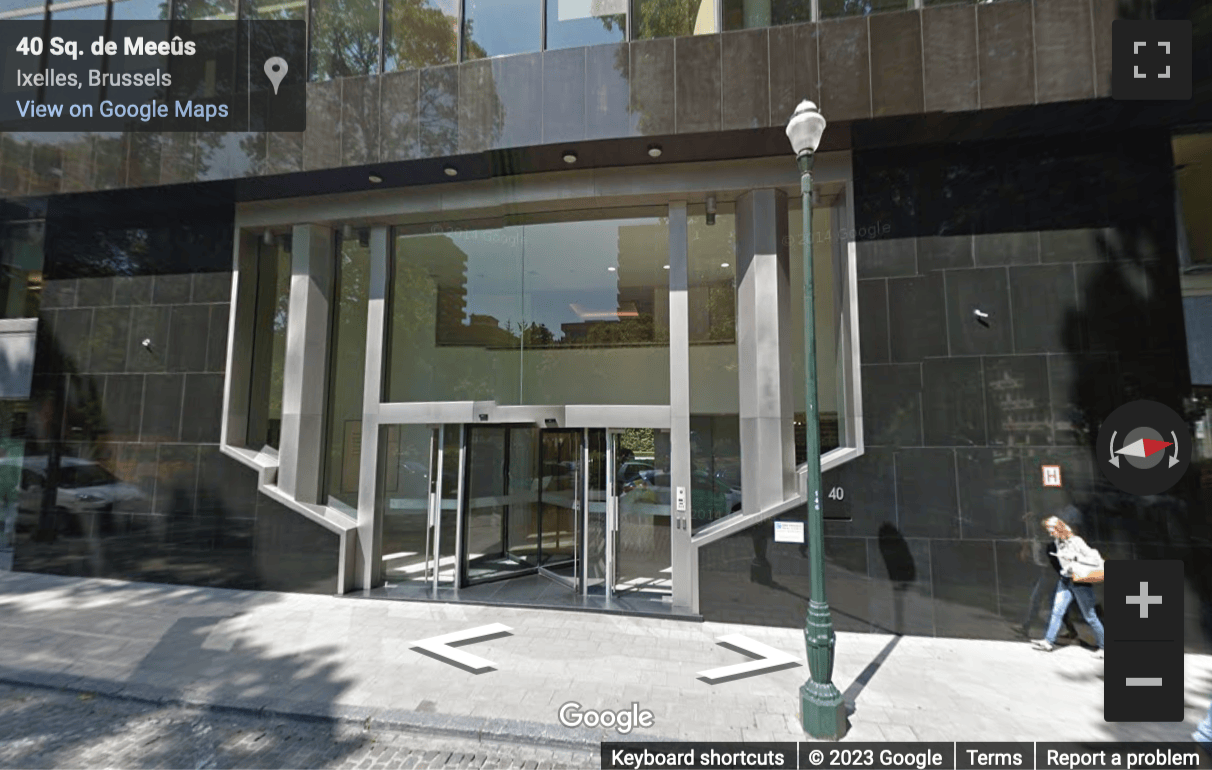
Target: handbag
(1089, 573)
(1094, 576)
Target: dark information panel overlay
(906, 756)
(96, 76)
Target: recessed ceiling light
(654, 150)
(268, 238)
(612, 269)
(375, 179)
(570, 157)
(666, 267)
(724, 264)
(450, 170)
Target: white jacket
(1074, 551)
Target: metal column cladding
(764, 343)
(682, 557)
(306, 371)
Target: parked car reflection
(84, 487)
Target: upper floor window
(500, 27)
(420, 33)
(751, 14)
(344, 38)
(833, 8)
(673, 18)
(348, 38)
(274, 10)
(573, 23)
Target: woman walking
(1073, 554)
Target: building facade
(518, 318)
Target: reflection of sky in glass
(134, 10)
(571, 23)
(561, 264)
(505, 26)
(87, 13)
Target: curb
(480, 729)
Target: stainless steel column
(369, 560)
(682, 558)
(305, 377)
(236, 412)
(763, 320)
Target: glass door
(599, 514)
(418, 497)
(502, 503)
(640, 557)
(560, 491)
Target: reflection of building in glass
(446, 264)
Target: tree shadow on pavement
(200, 659)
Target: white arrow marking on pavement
(770, 658)
(440, 646)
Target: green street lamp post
(822, 711)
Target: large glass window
(827, 253)
(715, 446)
(500, 27)
(834, 8)
(269, 344)
(574, 311)
(344, 38)
(137, 10)
(75, 13)
(673, 18)
(347, 362)
(750, 14)
(20, 269)
(572, 23)
(197, 10)
(274, 10)
(420, 33)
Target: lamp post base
(823, 712)
(822, 709)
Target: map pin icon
(275, 70)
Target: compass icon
(1144, 447)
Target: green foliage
(641, 441)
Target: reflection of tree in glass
(418, 34)
(344, 38)
(204, 9)
(666, 18)
(636, 330)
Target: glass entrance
(468, 506)
(524, 503)
(418, 495)
(639, 542)
(560, 490)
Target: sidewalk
(350, 658)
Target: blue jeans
(1066, 592)
(1203, 733)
